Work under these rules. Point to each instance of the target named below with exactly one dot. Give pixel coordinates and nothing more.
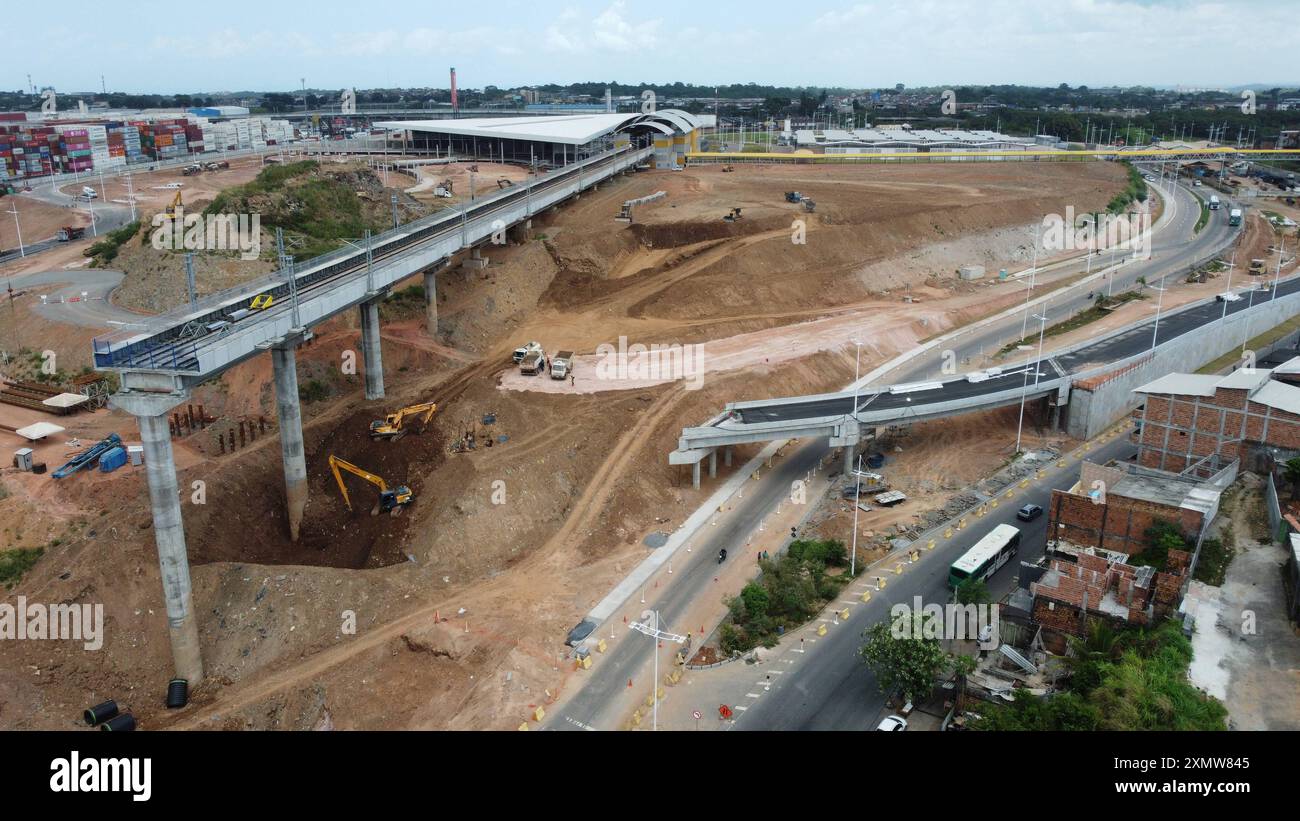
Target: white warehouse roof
(570, 129)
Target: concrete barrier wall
(1092, 411)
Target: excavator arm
(394, 425)
(337, 464)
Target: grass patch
(14, 563)
(1079, 320)
(1255, 344)
(1135, 191)
(105, 250)
(1205, 214)
(1212, 566)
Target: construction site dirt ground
(461, 605)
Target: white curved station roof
(571, 129)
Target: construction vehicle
(502, 182)
(727, 168)
(793, 196)
(216, 166)
(394, 425)
(1257, 266)
(733, 216)
(170, 211)
(533, 363)
(625, 214)
(89, 456)
(562, 365)
(68, 233)
(191, 170)
(524, 350)
(261, 302)
(809, 205)
(444, 189)
(390, 500)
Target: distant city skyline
(271, 47)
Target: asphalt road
(84, 298)
(1178, 248)
(591, 706)
(833, 689)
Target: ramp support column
(726, 456)
(370, 348)
(284, 362)
(713, 464)
(850, 457)
(431, 301)
(695, 475)
(150, 411)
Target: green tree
(973, 591)
(1291, 472)
(902, 658)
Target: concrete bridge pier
(431, 298)
(713, 463)
(476, 261)
(150, 411)
(850, 458)
(695, 475)
(726, 456)
(284, 363)
(371, 352)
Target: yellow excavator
(394, 425)
(390, 501)
(170, 211)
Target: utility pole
(654, 632)
(1024, 386)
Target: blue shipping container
(112, 459)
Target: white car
(1196, 182)
(892, 724)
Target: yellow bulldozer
(395, 425)
(390, 500)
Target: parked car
(892, 724)
(1029, 512)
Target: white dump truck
(524, 350)
(562, 365)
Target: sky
(272, 46)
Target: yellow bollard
(821, 629)
(1024, 483)
(961, 523)
(601, 646)
(650, 700)
(929, 545)
(993, 503)
(1010, 493)
(898, 569)
(585, 663)
(1042, 474)
(660, 694)
(947, 534)
(881, 581)
(1061, 464)
(524, 726)
(539, 713)
(636, 718)
(844, 614)
(866, 596)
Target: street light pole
(1024, 386)
(1155, 329)
(22, 253)
(853, 557)
(655, 633)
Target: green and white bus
(987, 556)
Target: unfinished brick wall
(1178, 430)
(1120, 524)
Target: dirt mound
(677, 234)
